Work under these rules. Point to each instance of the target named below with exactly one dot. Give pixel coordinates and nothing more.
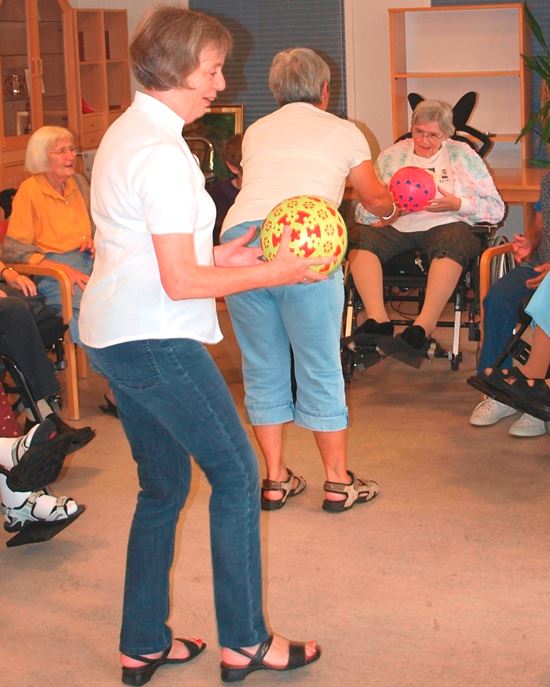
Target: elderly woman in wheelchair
(466, 195)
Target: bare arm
(373, 195)
(183, 278)
(525, 244)
(19, 281)
(534, 230)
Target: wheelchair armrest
(60, 276)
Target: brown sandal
(286, 487)
(357, 491)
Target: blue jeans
(49, 287)
(267, 324)
(173, 403)
(501, 306)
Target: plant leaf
(539, 163)
(535, 28)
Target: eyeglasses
(63, 151)
(418, 133)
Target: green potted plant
(539, 124)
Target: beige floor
(441, 582)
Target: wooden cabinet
(443, 52)
(37, 76)
(101, 53)
(60, 66)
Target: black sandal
(286, 487)
(296, 659)
(357, 491)
(142, 674)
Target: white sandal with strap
(39, 507)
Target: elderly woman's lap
(454, 240)
(49, 287)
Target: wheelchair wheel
(348, 364)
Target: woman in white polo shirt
(147, 311)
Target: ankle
(277, 474)
(129, 662)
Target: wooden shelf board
(458, 75)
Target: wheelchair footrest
(520, 351)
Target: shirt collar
(161, 112)
(48, 190)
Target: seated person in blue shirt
(532, 253)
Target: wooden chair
(75, 357)
(490, 270)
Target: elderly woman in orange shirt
(50, 223)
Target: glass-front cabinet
(36, 74)
(15, 65)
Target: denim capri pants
(267, 324)
(454, 240)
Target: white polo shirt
(297, 150)
(145, 181)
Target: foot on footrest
(37, 458)
(37, 532)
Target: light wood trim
(485, 261)
(458, 8)
(489, 73)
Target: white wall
(368, 66)
(135, 7)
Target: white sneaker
(528, 426)
(489, 412)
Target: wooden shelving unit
(443, 52)
(101, 52)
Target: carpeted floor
(442, 581)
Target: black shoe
(109, 408)
(375, 328)
(79, 437)
(415, 337)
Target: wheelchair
(405, 278)
(404, 281)
(52, 331)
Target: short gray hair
(298, 75)
(167, 44)
(434, 111)
(39, 146)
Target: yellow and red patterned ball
(317, 229)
